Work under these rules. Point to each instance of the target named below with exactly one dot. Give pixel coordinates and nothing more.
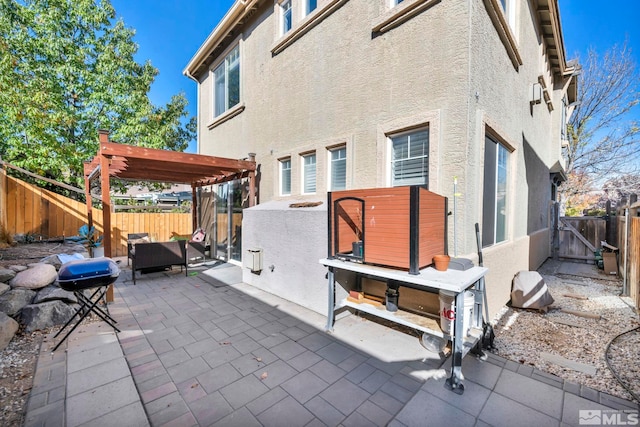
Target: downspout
(625, 291)
(229, 185)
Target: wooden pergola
(134, 163)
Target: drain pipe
(626, 248)
(455, 216)
(229, 185)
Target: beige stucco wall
(339, 84)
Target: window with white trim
(285, 176)
(509, 10)
(337, 169)
(286, 16)
(309, 173)
(227, 82)
(410, 158)
(310, 6)
(494, 197)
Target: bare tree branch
(603, 132)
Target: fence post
(3, 198)
(627, 218)
(555, 238)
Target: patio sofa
(157, 255)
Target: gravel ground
(17, 366)
(525, 336)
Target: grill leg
(78, 312)
(87, 306)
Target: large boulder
(11, 302)
(8, 328)
(36, 277)
(6, 274)
(4, 288)
(45, 315)
(53, 293)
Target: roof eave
(549, 21)
(235, 15)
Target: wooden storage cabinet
(399, 227)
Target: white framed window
(509, 10)
(494, 196)
(285, 176)
(227, 82)
(309, 173)
(310, 6)
(286, 16)
(410, 158)
(337, 169)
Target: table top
(450, 280)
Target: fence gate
(579, 237)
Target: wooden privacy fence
(42, 215)
(630, 252)
(581, 236)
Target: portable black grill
(78, 276)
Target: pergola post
(194, 208)
(106, 204)
(87, 194)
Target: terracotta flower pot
(441, 262)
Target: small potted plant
(91, 240)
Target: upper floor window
(509, 10)
(410, 158)
(227, 82)
(286, 14)
(338, 169)
(285, 176)
(309, 173)
(311, 5)
(494, 197)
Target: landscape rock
(4, 288)
(6, 275)
(36, 277)
(18, 268)
(8, 328)
(45, 315)
(54, 293)
(52, 260)
(11, 302)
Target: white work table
(428, 280)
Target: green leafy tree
(67, 69)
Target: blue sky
(169, 32)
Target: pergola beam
(149, 164)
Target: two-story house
(347, 94)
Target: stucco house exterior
(349, 94)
